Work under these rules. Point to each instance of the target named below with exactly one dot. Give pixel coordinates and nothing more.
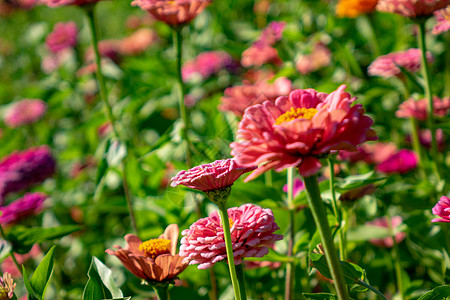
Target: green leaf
(100, 284)
(255, 191)
(31, 292)
(116, 153)
(272, 256)
(5, 249)
(41, 276)
(352, 273)
(322, 296)
(438, 293)
(103, 166)
(356, 181)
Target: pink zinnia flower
(175, 12)
(402, 162)
(319, 57)
(272, 33)
(296, 131)
(259, 54)
(25, 112)
(22, 170)
(418, 109)
(63, 36)
(443, 20)
(206, 64)
(28, 205)
(252, 231)
(138, 42)
(298, 187)
(442, 210)
(411, 8)
(388, 65)
(154, 260)
(214, 176)
(388, 242)
(56, 3)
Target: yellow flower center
(155, 247)
(231, 222)
(296, 113)
(3, 293)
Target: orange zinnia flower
(354, 8)
(153, 260)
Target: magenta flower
(418, 109)
(411, 8)
(214, 176)
(29, 205)
(442, 210)
(401, 162)
(63, 36)
(22, 170)
(25, 112)
(388, 242)
(388, 65)
(252, 232)
(298, 187)
(56, 3)
(443, 20)
(206, 64)
(272, 33)
(298, 130)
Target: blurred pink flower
(272, 33)
(259, 54)
(443, 20)
(411, 8)
(357, 193)
(239, 97)
(56, 3)
(214, 176)
(29, 205)
(298, 130)
(7, 287)
(298, 187)
(442, 210)
(206, 64)
(9, 266)
(388, 65)
(252, 231)
(320, 57)
(22, 170)
(104, 129)
(418, 109)
(79, 166)
(25, 112)
(107, 48)
(53, 61)
(138, 42)
(154, 260)
(175, 12)
(63, 36)
(370, 153)
(388, 242)
(401, 162)
(425, 138)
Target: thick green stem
(320, 218)
(289, 286)
(397, 262)
(429, 96)
(241, 280)
(162, 292)
(337, 212)
(229, 247)
(11, 253)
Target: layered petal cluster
(319, 57)
(213, 176)
(7, 286)
(206, 64)
(401, 162)
(443, 20)
(411, 8)
(388, 242)
(442, 210)
(22, 170)
(56, 3)
(154, 260)
(25, 112)
(418, 109)
(29, 205)
(297, 130)
(354, 8)
(388, 65)
(252, 232)
(63, 36)
(174, 12)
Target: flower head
(138, 42)
(154, 260)
(206, 64)
(401, 162)
(63, 36)
(56, 3)
(354, 8)
(411, 8)
(297, 188)
(28, 205)
(272, 33)
(25, 112)
(296, 131)
(258, 54)
(7, 287)
(388, 242)
(418, 109)
(443, 20)
(173, 12)
(388, 65)
(442, 210)
(319, 57)
(252, 231)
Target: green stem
(289, 286)
(229, 247)
(368, 286)
(337, 212)
(397, 263)
(320, 218)
(11, 253)
(416, 143)
(182, 107)
(241, 279)
(429, 96)
(162, 292)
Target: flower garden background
(196, 149)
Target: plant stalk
(162, 292)
(289, 286)
(241, 280)
(337, 212)
(11, 253)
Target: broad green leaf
(321, 296)
(438, 293)
(31, 292)
(42, 274)
(352, 273)
(100, 284)
(105, 274)
(356, 181)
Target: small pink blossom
(272, 33)
(138, 42)
(106, 48)
(418, 109)
(425, 138)
(298, 187)
(388, 65)
(252, 232)
(214, 176)
(63, 36)
(259, 54)
(56, 3)
(442, 210)
(443, 20)
(319, 57)
(401, 162)
(206, 64)
(25, 112)
(388, 242)
(29, 205)
(411, 8)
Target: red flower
(442, 210)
